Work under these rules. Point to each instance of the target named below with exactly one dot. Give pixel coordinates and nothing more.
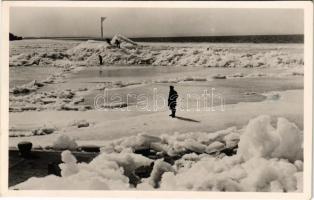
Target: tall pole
(101, 26)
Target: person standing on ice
(172, 101)
(100, 59)
(100, 63)
(117, 43)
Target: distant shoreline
(295, 38)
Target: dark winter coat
(100, 59)
(172, 99)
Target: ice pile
(105, 172)
(41, 53)
(41, 46)
(258, 157)
(232, 174)
(87, 54)
(45, 130)
(86, 49)
(267, 159)
(56, 77)
(27, 88)
(181, 56)
(34, 85)
(55, 100)
(178, 144)
(80, 123)
(261, 139)
(33, 58)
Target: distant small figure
(172, 101)
(100, 59)
(117, 43)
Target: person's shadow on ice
(187, 119)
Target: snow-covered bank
(268, 167)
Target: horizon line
(143, 37)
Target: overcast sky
(148, 22)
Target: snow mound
(69, 166)
(261, 139)
(268, 159)
(64, 142)
(105, 172)
(160, 167)
(86, 49)
(232, 174)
